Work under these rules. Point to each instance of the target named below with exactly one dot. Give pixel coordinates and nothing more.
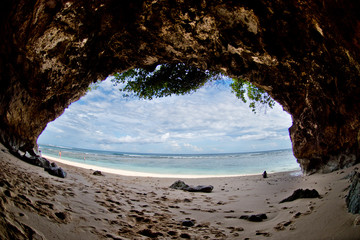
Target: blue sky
(211, 120)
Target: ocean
(181, 164)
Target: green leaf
(179, 79)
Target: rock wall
(305, 54)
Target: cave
(304, 54)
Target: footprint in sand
(91, 229)
(229, 211)
(263, 233)
(49, 205)
(297, 215)
(235, 229)
(185, 213)
(282, 225)
(63, 216)
(248, 211)
(232, 198)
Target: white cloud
(212, 118)
(192, 147)
(165, 137)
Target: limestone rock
(180, 185)
(304, 54)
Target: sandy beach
(36, 205)
(131, 173)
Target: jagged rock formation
(305, 54)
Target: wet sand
(36, 205)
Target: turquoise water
(183, 164)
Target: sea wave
(198, 164)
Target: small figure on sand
(264, 174)
(59, 154)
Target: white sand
(36, 205)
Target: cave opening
(210, 122)
(300, 53)
(304, 53)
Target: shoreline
(122, 172)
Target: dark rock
(188, 223)
(32, 159)
(255, 217)
(300, 193)
(98, 173)
(61, 173)
(353, 197)
(46, 164)
(264, 174)
(200, 188)
(262, 216)
(51, 168)
(180, 185)
(37, 161)
(56, 171)
(42, 162)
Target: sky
(211, 120)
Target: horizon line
(143, 153)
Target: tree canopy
(179, 79)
